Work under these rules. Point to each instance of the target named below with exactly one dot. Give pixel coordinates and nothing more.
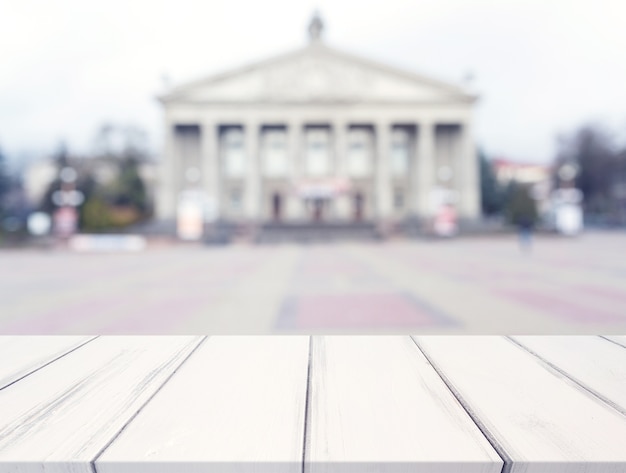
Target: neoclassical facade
(319, 135)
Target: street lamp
(67, 199)
(567, 201)
(567, 172)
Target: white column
(210, 164)
(168, 182)
(340, 131)
(339, 128)
(383, 175)
(295, 208)
(253, 178)
(424, 168)
(468, 182)
(294, 139)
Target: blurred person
(525, 226)
(522, 212)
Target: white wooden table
(314, 404)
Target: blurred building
(36, 179)
(319, 135)
(40, 174)
(525, 173)
(537, 176)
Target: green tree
(129, 188)
(520, 206)
(112, 204)
(127, 194)
(491, 193)
(95, 214)
(61, 160)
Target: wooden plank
(29, 353)
(60, 417)
(596, 364)
(238, 404)
(377, 405)
(538, 419)
(619, 339)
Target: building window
(400, 153)
(233, 152)
(359, 153)
(188, 140)
(275, 153)
(446, 148)
(317, 152)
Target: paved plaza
(472, 285)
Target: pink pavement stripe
(358, 311)
(420, 261)
(579, 265)
(571, 310)
(463, 269)
(66, 280)
(480, 275)
(62, 318)
(616, 295)
(320, 274)
(65, 316)
(161, 316)
(315, 268)
(168, 313)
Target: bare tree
(593, 149)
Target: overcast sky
(542, 67)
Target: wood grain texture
(597, 364)
(377, 405)
(619, 339)
(238, 404)
(543, 421)
(21, 355)
(60, 417)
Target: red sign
(65, 221)
(445, 221)
(190, 223)
(322, 188)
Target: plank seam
(493, 441)
(127, 423)
(578, 384)
(604, 337)
(307, 404)
(48, 363)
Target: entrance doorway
(318, 210)
(277, 202)
(358, 207)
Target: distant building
(319, 135)
(537, 176)
(36, 179)
(39, 174)
(526, 173)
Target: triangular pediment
(317, 73)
